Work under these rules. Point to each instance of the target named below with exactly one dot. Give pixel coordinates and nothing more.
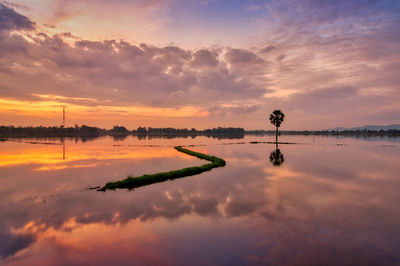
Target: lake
(320, 201)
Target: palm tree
(276, 119)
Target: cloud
(242, 56)
(205, 57)
(11, 20)
(327, 58)
(233, 110)
(306, 13)
(15, 5)
(11, 244)
(119, 71)
(328, 93)
(314, 56)
(267, 49)
(124, 73)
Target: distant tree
(141, 130)
(119, 129)
(276, 118)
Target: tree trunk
(276, 135)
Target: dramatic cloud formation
(324, 63)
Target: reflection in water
(276, 156)
(119, 137)
(319, 211)
(63, 144)
(41, 156)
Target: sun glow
(50, 105)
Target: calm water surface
(331, 201)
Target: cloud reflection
(257, 214)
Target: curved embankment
(134, 182)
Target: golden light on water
(51, 158)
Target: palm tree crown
(276, 118)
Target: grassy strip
(270, 142)
(134, 182)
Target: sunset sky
(202, 64)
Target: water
(331, 201)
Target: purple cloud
(11, 20)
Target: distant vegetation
(119, 132)
(85, 131)
(348, 133)
(184, 131)
(134, 182)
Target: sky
(201, 64)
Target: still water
(320, 201)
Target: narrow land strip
(144, 180)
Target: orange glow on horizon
(51, 104)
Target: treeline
(117, 131)
(169, 132)
(353, 133)
(193, 131)
(82, 131)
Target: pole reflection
(63, 144)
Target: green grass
(144, 180)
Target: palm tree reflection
(276, 157)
